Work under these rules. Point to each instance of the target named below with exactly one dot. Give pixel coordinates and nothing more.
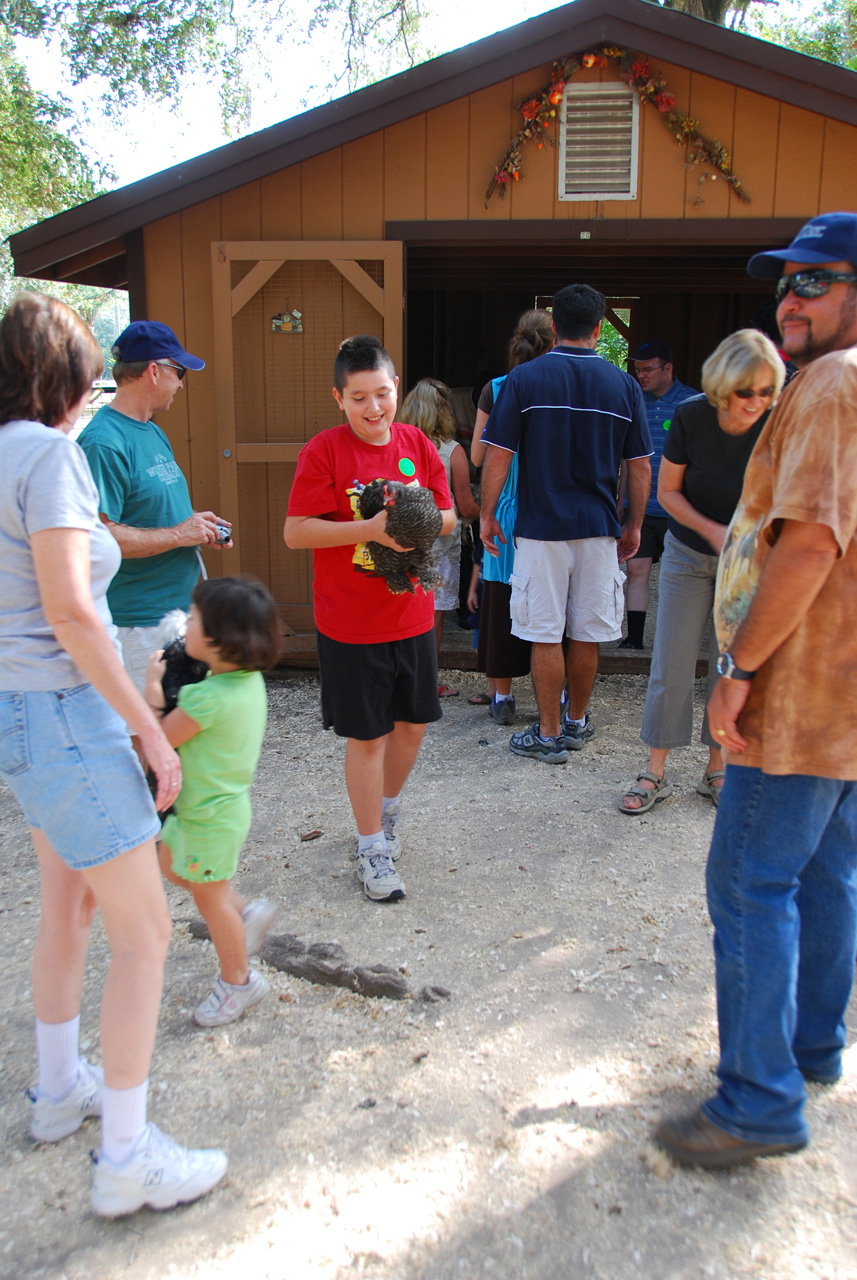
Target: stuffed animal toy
(414, 521)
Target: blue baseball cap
(653, 351)
(831, 237)
(151, 340)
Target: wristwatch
(726, 667)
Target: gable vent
(598, 143)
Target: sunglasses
(168, 364)
(809, 284)
(750, 393)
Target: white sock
(123, 1119)
(57, 1048)
(581, 723)
(386, 801)
(502, 697)
(365, 842)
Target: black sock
(636, 626)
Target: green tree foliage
(829, 32)
(733, 13)
(151, 48)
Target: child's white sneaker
(50, 1121)
(381, 882)
(159, 1173)
(258, 918)
(225, 1003)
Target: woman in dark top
(702, 473)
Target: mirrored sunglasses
(749, 393)
(809, 284)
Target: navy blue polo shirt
(571, 417)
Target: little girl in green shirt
(218, 728)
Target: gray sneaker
(50, 1121)
(226, 1003)
(258, 916)
(502, 712)
(530, 743)
(576, 737)
(392, 835)
(159, 1173)
(381, 882)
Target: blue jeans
(782, 893)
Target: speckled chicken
(414, 520)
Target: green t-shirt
(212, 814)
(139, 484)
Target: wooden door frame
(269, 256)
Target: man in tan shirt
(782, 871)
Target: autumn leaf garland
(539, 110)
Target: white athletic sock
(57, 1048)
(123, 1119)
(365, 842)
(580, 723)
(502, 697)
(386, 801)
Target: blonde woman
(428, 408)
(701, 476)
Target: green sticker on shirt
(406, 467)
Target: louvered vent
(598, 143)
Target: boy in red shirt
(376, 652)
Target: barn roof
(72, 244)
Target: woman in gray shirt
(65, 753)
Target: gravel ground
(503, 1131)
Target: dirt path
(502, 1132)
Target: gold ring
(721, 733)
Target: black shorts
(499, 654)
(366, 688)
(652, 538)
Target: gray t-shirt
(45, 483)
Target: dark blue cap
(831, 237)
(151, 340)
(653, 351)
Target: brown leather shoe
(693, 1139)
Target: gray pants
(685, 600)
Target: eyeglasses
(168, 364)
(810, 284)
(652, 369)
(750, 393)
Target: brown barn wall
(436, 167)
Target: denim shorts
(68, 759)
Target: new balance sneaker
(226, 1003)
(502, 711)
(576, 736)
(258, 917)
(530, 743)
(50, 1121)
(159, 1173)
(390, 827)
(381, 882)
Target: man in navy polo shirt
(572, 418)
(663, 393)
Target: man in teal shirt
(144, 499)
(663, 393)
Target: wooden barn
(370, 215)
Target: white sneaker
(50, 1121)
(258, 917)
(390, 827)
(159, 1173)
(226, 1003)
(381, 882)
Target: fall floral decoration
(539, 110)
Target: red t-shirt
(352, 602)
